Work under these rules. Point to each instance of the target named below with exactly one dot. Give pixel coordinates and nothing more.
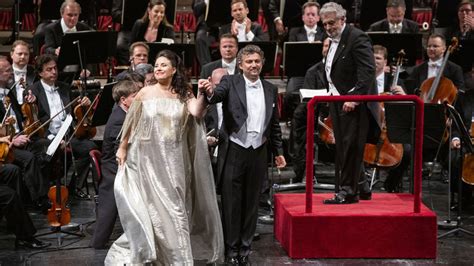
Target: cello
(384, 153)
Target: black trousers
(18, 220)
(10, 175)
(243, 173)
(33, 179)
(350, 132)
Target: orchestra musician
(138, 54)
(228, 49)
(350, 70)
(22, 146)
(52, 96)
(395, 21)
(241, 26)
(70, 11)
(20, 54)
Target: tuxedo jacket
(408, 26)
(44, 113)
(420, 74)
(315, 77)
(231, 92)
(199, 11)
(353, 70)
(298, 34)
(207, 69)
(255, 28)
(110, 144)
(140, 27)
(53, 35)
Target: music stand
(96, 47)
(298, 57)
(186, 51)
(104, 106)
(411, 43)
(269, 51)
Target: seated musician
(52, 96)
(20, 54)
(123, 93)
(436, 48)
(314, 80)
(241, 26)
(138, 54)
(385, 85)
(154, 26)
(22, 146)
(54, 32)
(228, 48)
(395, 21)
(308, 32)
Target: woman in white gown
(164, 187)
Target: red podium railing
(366, 98)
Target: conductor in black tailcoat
(250, 113)
(123, 93)
(350, 70)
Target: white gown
(165, 191)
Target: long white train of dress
(165, 191)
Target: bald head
(217, 75)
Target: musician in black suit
(395, 21)
(153, 26)
(52, 96)
(241, 26)
(70, 11)
(20, 54)
(123, 93)
(350, 70)
(228, 48)
(250, 111)
(435, 50)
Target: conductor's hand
(280, 161)
(349, 106)
(121, 156)
(205, 86)
(85, 101)
(398, 90)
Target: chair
(96, 173)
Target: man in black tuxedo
(395, 21)
(70, 11)
(350, 70)
(123, 93)
(241, 26)
(228, 48)
(309, 32)
(20, 54)
(436, 48)
(250, 118)
(52, 96)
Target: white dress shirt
(251, 133)
(434, 67)
(311, 32)
(66, 29)
(241, 35)
(395, 28)
(329, 60)
(381, 83)
(55, 106)
(230, 67)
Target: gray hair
(332, 7)
(69, 3)
(144, 69)
(250, 49)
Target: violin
(384, 153)
(84, 128)
(7, 129)
(440, 89)
(326, 133)
(58, 214)
(31, 121)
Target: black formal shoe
(342, 199)
(244, 260)
(31, 243)
(365, 196)
(231, 261)
(81, 195)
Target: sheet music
(57, 139)
(307, 94)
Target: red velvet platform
(384, 227)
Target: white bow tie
(20, 72)
(436, 65)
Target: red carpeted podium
(388, 226)
(384, 227)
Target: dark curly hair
(179, 82)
